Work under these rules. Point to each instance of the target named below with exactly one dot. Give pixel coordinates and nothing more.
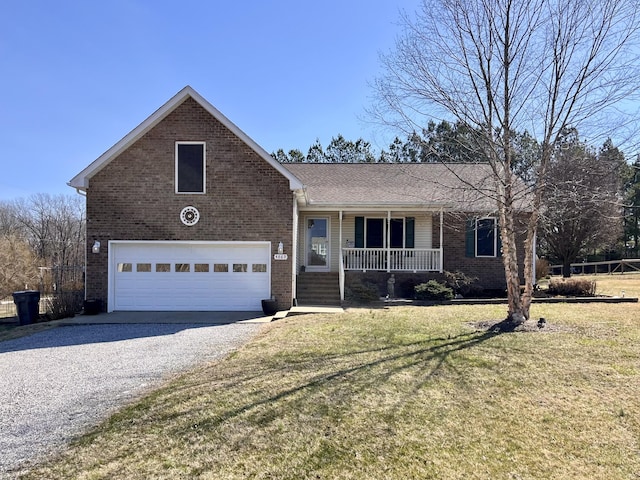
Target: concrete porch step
(318, 288)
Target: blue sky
(79, 75)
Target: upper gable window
(190, 167)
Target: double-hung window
(190, 167)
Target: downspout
(441, 244)
(86, 238)
(294, 253)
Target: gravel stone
(56, 384)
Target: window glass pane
(486, 238)
(397, 233)
(125, 267)
(163, 267)
(183, 267)
(201, 267)
(239, 267)
(190, 168)
(317, 242)
(220, 267)
(143, 267)
(375, 233)
(259, 267)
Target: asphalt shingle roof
(452, 186)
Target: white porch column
(340, 230)
(388, 241)
(340, 258)
(441, 244)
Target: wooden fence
(594, 268)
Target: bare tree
(54, 227)
(583, 208)
(504, 66)
(9, 224)
(17, 265)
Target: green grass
(9, 331)
(400, 393)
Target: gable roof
(81, 180)
(462, 187)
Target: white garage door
(181, 276)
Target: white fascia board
(294, 183)
(81, 180)
(375, 207)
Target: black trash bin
(28, 305)
(92, 307)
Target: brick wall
(133, 198)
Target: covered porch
(400, 240)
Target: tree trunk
(529, 272)
(517, 313)
(566, 268)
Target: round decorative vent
(189, 216)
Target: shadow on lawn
(343, 384)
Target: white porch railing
(392, 259)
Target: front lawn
(399, 393)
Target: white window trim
(204, 168)
(495, 237)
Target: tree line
(42, 240)
(592, 195)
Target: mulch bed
(503, 326)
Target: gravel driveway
(57, 383)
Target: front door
(317, 257)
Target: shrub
(362, 292)
(460, 283)
(542, 268)
(572, 287)
(63, 304)
(433, 290)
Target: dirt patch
(503, 326)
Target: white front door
(317, 255)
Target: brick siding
(488, 271)
(132, 198)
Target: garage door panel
(208, 289)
